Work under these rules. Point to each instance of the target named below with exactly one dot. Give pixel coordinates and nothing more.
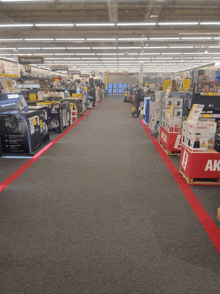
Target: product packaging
(178, 113)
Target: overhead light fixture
(15, 25)
(30, 48)
(5, 54)
(179, 47)
(103, 48)
(96, 58)
(54, 25)
(136, 24)
(7, 48)
(107, 53)
(101, 39)
(40, 39)
(178, 23)
(70, 39)
(171, 53)
(210, 23)
(54, 48)
(10, 40)
(132, 39)
(196, 38)
(162, 47)
(111, 58)
(84, 53)
(130, 47)
(154, 15)
(63, 53)
(95, 24)
(54, 58)
(79, 48)
(164, 38)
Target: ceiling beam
(149, 9)
(113, 10)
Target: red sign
(115, 73)
(170, 141)
(200, 165)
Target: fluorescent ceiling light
(80, 48)
(164, 57)
(210, 23)
(179, 47)
(7, 49)
(192, 53)
(162, 47)
(100, 39)
(30, 48)
(178, 23)
(95, 24)
(70, 39)
(156, 53)
(196, 38)
(63, 53)
(56, 48)
(15, 25)
(40, 39)
(142, 58)
(172, 53)
(214, 46)
(113, 58)
(161, 39)
(136, 24)
(56, 58)
(10, 40)
(5, 54)
(90, 58)
(132, 39)
(130, 47)
(109, 48)
(108, 53)
(54, 25)
(84, 53)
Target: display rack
(170, 142)
(200, 168)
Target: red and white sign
(170, 141)
(200, 165)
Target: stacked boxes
(155, 111)
(174, 123)
(73, 111)
(200, 136)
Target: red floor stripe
(24, 167)
(208, 224)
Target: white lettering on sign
(11, 96)
(184, 160)
(164, 137)
(212, 165)
(178, 142)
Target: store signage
(13, 96)
(92, 73)
(57, 68)
(74, 72)
(30, 60)
(185, 159)
(84, 75)
(27, 68)
(164, 137)
(195, 113)
(212, 165)
(178, 142)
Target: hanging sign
(30, 60)
(84, 75)
(195, 113)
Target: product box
(204, 86)
(184, 132)
(155, 105)
(197, 138)
(178, 113)
(178, 102)
(167, 102)
(165, 113)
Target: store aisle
(100, 213)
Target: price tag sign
(195, 113)
(170, 112)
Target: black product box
(217, 147)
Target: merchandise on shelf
(199, 136)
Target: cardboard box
(167, 102)
(165, 113)
(178, 113)
(178, 102)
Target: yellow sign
(170, 110)
(34, 121)
(166, 83)
(57, 80)
(32, 97)
(186, 84)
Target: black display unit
(211, 103)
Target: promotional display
(170, 141)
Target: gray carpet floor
(100, 213)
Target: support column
(141, 75)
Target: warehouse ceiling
(113, 35)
